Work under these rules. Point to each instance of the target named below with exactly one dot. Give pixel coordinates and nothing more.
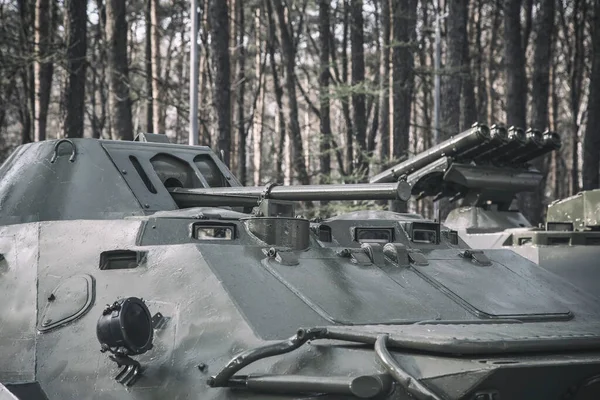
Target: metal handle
(57, 145)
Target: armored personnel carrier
(487, 168)
(143, 270)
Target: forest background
(309, 91)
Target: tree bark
(405, 18)
(451, 79)
(289, 59)
(345, 105)
(468, 105)
(76, 34)
(591, 144)
(118, 70)
(358, 80)
(514, 57)
(384, 107)
(533, 205)
(157, 117)
(277, 88)
(324, 105)
(241, 83)
(219, 30)
(257, 121)
(149, 76)
(44, 66)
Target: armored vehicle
(143, 270)
(487, 168)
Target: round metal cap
(404, 190)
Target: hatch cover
(494, 291)
(70, 300)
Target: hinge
(476, 255)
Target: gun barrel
(249, 196)
(460, 143)
(534, 141)
(551, 142)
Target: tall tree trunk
(241, 83)
(514, 58)
(27, 109)
(384, 107)
(325, 123)
(76, 33)
(289, 61)
(533, 204)
(358, 80)
(157, 119)
(277, 88)
(468, 105)
(257, 121)
(44, 67)
(405, 20)
(219, 30)
(451, 79)
(149, 76)
(345, 104)
(101, 91)
(118, 70)
(591, 144)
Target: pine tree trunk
(404, 24)
(257, 121)
(241, 83)
(156, 60)
(76, 34)
(358, 80)
(384, 107)
(591, 144)
(324, 104)
(219, 29)
(148, 60)
(118, 70)
(289, 61)
(514, 57)
(44, 67)
(533, 204)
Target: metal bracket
(476, 255)
(356, 256)
(375, 252)
(159, 321)
(398, 253)
(57, 145)
(282, 256)
(130, 369)
(416, 257)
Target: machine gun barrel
(473, 137)
(551, 142)
(249, 196)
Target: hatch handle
(476, 255)
(57, 145)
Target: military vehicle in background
(487, 168)
(144, 270)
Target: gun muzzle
(473, 137)
(498, 136)
(551, 141)
(516, 140)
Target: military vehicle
(144, 270)
(487, 169)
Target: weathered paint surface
(461, 327)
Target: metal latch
(416, 257)
(282, 256)
(397, 252)
(476, 255)
(356, 256)
(375, 252)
